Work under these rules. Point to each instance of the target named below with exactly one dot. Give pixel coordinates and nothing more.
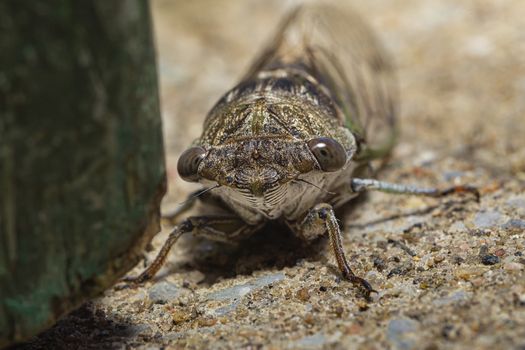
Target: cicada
(298, 136)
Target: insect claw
(364, 284)
(474, 190)
(126, 283)
(461, 189)
(145, 276)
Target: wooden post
(81, 153)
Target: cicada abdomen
(334, 49)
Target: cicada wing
(335, 47)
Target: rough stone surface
(163, 292)
(462, 82)
(400, 332)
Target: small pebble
(309, 319)
(163, 292)
(456, 259)
(487, 219)
(207, 322)
(483, 250)
(303, 294)
(464, 247)
(515, 224)
(450, 332)
(181, 315)
(517, 202)
(338, 310)
(513, 266)
(379, 263)
(400, 270)
(468, 273)
(500, 252)
(430, 263)
(478, 282)
(489, 259)
(354, 329)
(439, 258)
(452, 298)
(362, 305)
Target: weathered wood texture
(81, 153)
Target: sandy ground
(450, 273)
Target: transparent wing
(339, 51)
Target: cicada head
(268, 157)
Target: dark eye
(188, 164)
(328, 152)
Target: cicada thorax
(334, 50)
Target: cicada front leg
(224, 228)
(319, 220)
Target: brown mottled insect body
(284, 143)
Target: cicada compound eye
(188, 164)
(329, 153)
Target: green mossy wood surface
(81, 153)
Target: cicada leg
(227, 229)
(319, 220)
(362, 185)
